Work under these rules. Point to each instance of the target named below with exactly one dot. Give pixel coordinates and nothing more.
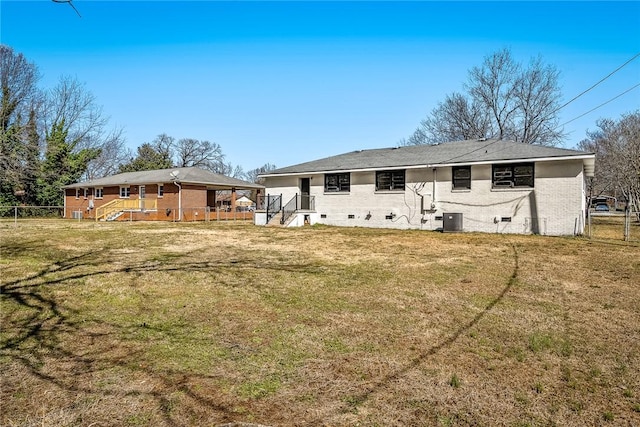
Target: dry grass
(150, 324)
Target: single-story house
(167, 194)
(485, 185)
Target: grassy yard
(164, 324)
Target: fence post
(15, 216)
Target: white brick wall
(554, 207)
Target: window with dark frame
(337, 182)
(461, 177)
(515, 175)
(390, 180)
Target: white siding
(555, 206)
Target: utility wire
(601, 80)
(604, 103)
(69, 2)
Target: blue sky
(288, 82)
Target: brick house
(167, 194)
(485, 185)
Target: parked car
(602, 208)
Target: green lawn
(169, 324)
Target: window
(337, 182)
(99, 192)
(125, 192)
(461, 177)
(390, 180)
(160, 190)
(512, 175)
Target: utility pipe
(433, 191)
(179, 200)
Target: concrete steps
(275, 221)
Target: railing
(120, 205)
(298, 202)
(274, 205)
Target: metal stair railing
(289, 209)
(298, 202)
(274, 205)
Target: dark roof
(449, 153)
(191, 175)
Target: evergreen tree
(61, 165)
(150, 157)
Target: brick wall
(194, 201)
(554, 206)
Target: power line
(601, 80)
(69, 3)
(604, 103)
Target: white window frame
(125, 191)
(160, 191)
(77, 193)
(99, 192)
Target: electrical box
(451, 222)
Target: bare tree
(617, 148)
(537, 97)
(19, 140)
(70, 105)
(456, 118)
(113, 154)
(18, 80)
(502, 100)
(204, 154)
(252, 175)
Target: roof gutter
(433, 165)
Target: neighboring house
(167, 194)
(475, 185)
(223, 201)
(244, 202)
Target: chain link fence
(623, 226)
(15, 214)
(20, 213)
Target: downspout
(433, 191)
(179, 200)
